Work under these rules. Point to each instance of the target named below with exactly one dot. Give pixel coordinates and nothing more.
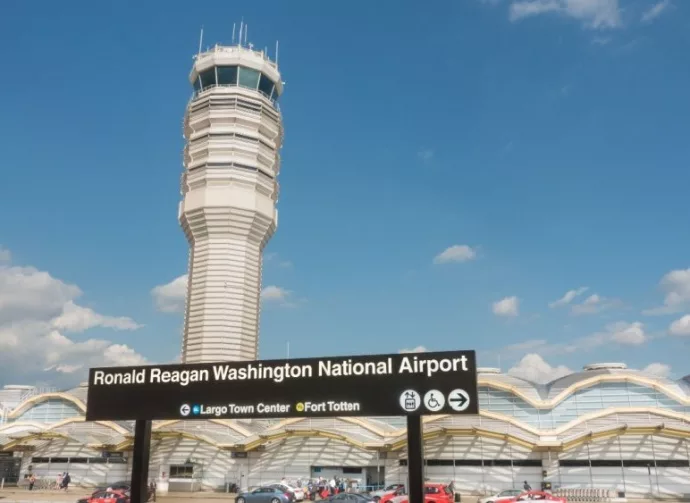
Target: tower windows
(265, 86)
(208, 78)
(249, 78)
(236, 75)
(227, 75)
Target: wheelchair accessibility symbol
(434, 400)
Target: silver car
(264, 495)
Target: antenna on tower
(201, 39)
(241, 28)
(276, 53)
(246, 28)
(233, 33)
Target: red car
(539, 496)
(113, 496)
(390, 496)
(433, 493)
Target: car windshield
(432, 490)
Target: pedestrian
(65, 481)
(32, 481)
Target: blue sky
(545, 140)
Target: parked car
(113, 496)
(120, 485)
(391, 489)
(350, 498)
(502, 497)
(297, 492)
(391, 495)
(433, 493)
(264, 494)
(538, 496)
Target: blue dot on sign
(196, 409)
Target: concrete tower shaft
(234, 131)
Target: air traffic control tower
(233, 131)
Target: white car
(297, 491)
(501, 497)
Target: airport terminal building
(606, 427)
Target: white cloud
(27, 293)
(595, 303)
(593, 13)
(275, 259)
(620, 333)
(681, 326)
(655, 11)
(568, 297)
(275, 294)
(509, 306)
(5, 255)
(64, 369)
(628, 334)
(456, 253)
(588, 306)
(426, 155)
(533, 368)
(170, 298)
(76, 318)
(35, 310)
(418, 349)
(658, 369)
(676, 285)
(601, 40)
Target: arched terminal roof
(597, 373)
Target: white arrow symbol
(185, 409)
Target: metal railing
(196, 94)
(589, 495)
(235, 49)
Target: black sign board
(372, 385)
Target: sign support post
(140, 461)
(415, 459)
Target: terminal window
(181, 471)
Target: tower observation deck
(233, 131)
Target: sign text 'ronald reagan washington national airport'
(384, 385)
